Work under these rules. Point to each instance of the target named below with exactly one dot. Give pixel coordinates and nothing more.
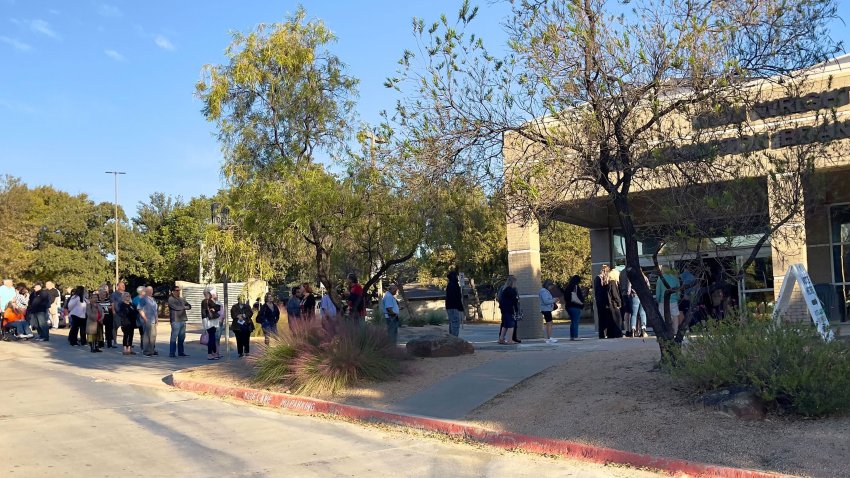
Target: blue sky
(89, 86)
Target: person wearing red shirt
(356, 299)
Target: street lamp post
(220, 219)
(115, 174)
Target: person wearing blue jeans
(637, 308)
(177, 307)
(574, 298)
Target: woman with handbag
(76, 309)
(268, 317)
(210, 313)
(574, 298)
(509, 306)
(94, 325)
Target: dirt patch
(419, 374)
(611, 399)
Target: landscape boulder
(736, 402)
(443, 345)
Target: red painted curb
(504, 440)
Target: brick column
(788, 247)
(524, 264)
(600, 254)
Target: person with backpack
(509, 306)
(498, 304)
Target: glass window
(840, 216)
(759, 274)
(841, 262)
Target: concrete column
(788, 247)
(524, 264)
(600, 254)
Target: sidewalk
(458, 395)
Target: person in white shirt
(7, 295)
(389, 306)
(76, 307)
(547, 305)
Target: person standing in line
(268, 317)
(148, 311)
(498, 301)
(177, 307)
(509, 306)
(329, 313)
(615, 302)
(638, 330)
(116, 299)
(356, 300)
(109, 321)
(54, 302)
(389, 305)
(210, 310)
(547, 305)
(77, 307)
(574, 299)
(242, 326)
(94, 324)
(293, 308)
(601, 295)
(39, 304)
(128, 315)
(454, 302)
(308, 303)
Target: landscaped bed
(418, 374)
(618, 399)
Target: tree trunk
(663, 332)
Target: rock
(439, 346)
(735, 402)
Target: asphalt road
(67, 412)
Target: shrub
(312, 362)
(417, 322)
(436, 317)
(789, 366)
(274, 366)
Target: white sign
(797, 274)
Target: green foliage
(313, 363)
(564, 252)
(789, 366)
(51, 235)
(273, 366)
(175, 228)
(417, 322)
(435, 317)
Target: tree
(596, 102)
(564, 252)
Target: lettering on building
(727, 114)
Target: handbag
(205, 338)
(518, 315)
(574, 298)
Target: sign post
(797, 274)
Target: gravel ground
(611, 399)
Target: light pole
(115, 174)
(220, 216)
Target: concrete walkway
(458, 395)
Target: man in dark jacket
(454, 303)
(38, 305)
